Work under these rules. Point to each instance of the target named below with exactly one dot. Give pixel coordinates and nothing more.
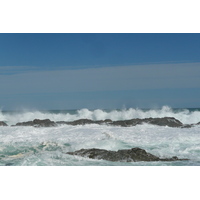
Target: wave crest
(186, 116)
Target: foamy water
(186, 116)
(48, 145)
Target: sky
(99, 70)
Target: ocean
(47, 146)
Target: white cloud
(155, 76)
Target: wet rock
(125, 155)
(29, 123)
(106, 121)
(38, 123)
(85, 121)
(165, 121)
(44, 123)
(9, 164)
(126, 123)
(3, 123)
(187, 126)
(81, 122)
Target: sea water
(47, 146)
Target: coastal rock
(81, 122)
(3, 123)
(88, 121)
(165, 121)
(38, 123)
(187, 126)
(125, 155)
(85, 121)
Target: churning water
(21, 145)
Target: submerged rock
(9, 164)
(3, 123)
(125, 155)
(38, 123)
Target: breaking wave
(186, 116)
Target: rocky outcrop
(38, 123)
(125, 155)
(165, 121)
(85, 121)
(77, 122)
(188, 125)
(3, 123)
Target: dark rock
(85, 121)
(43, 123)
(187, 126)
(61, 122)
(38, 123)
(9, 164)
(29, 123)
(3, 123)
(125, 155)
(107, 121)
(81, 122)
(126, 123)
(165, 121)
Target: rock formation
(38, 123)
(165, 121)
(3, 123)
(125, 155)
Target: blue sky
(69, 71)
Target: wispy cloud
(185, 75)
(10, 70)
(109, 86)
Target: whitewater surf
(48, 146)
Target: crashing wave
(186, 116)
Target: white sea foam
(48, 146)
(184, 115)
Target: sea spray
(186, 116)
